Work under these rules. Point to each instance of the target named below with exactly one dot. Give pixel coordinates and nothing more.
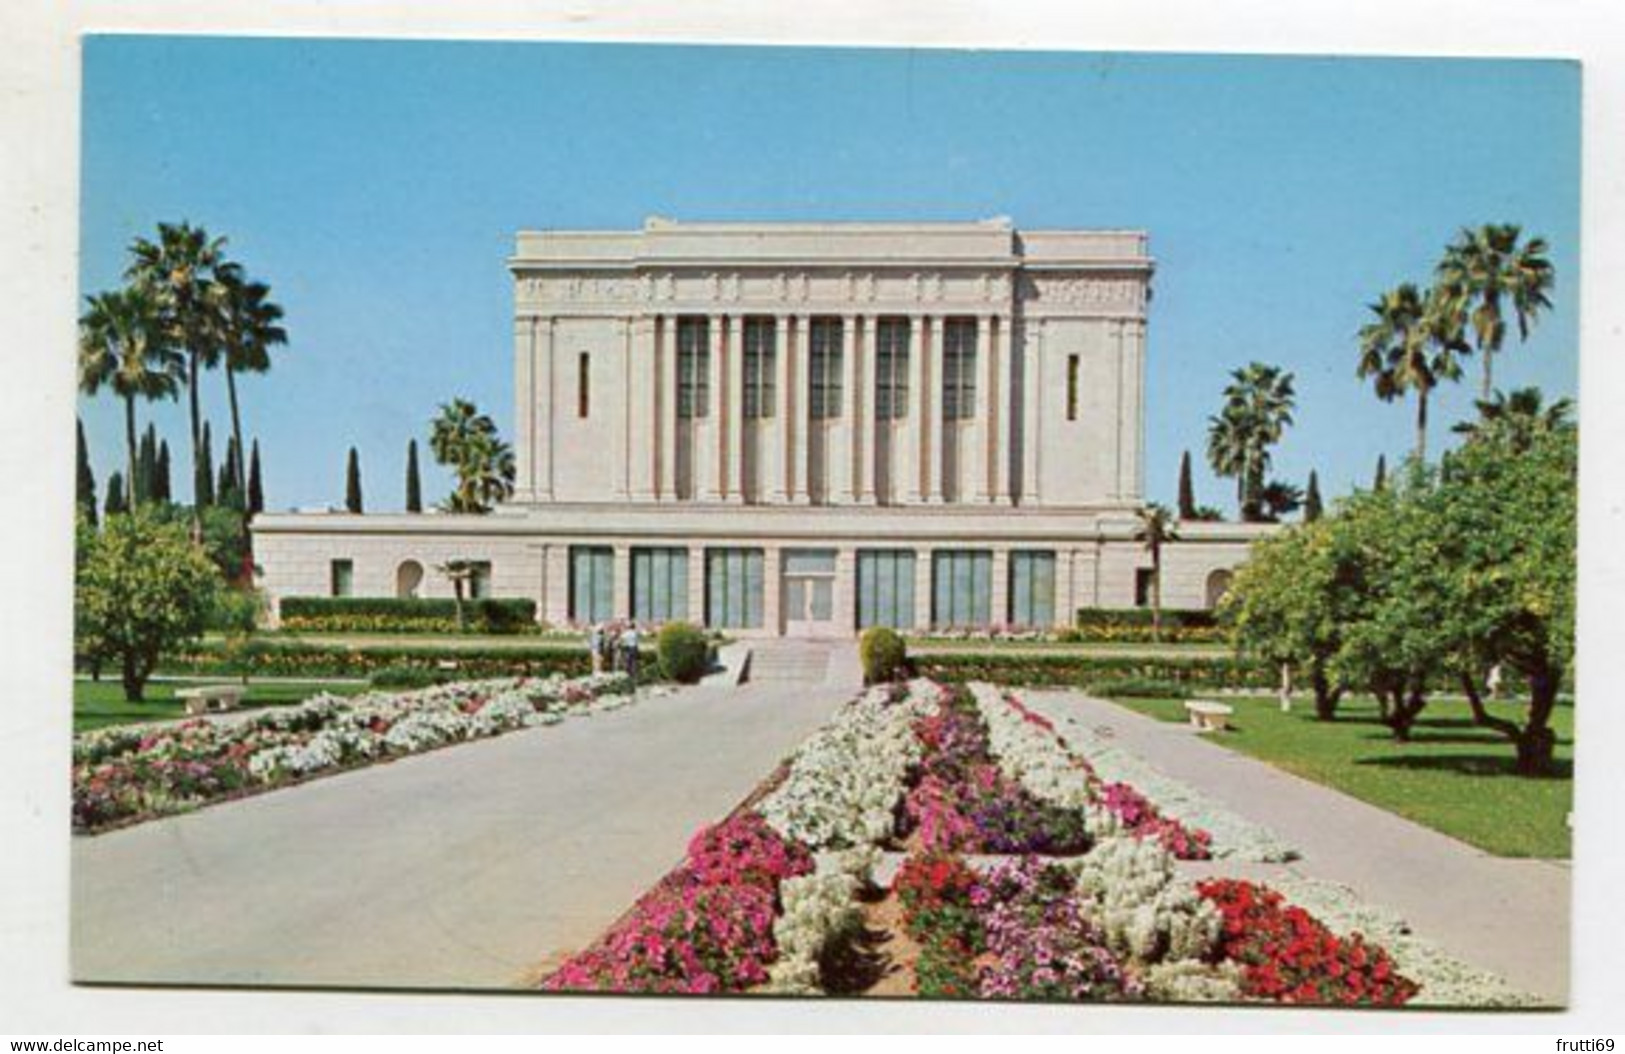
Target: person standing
(629, 652)
(595, 642)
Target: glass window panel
(760, 366)
(733, 588)
(962, 587)
(693, 367)
(341, 576)
(959, 369)
(824, 369)
(809, 561)
(592, 583)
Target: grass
(928, 645)
(99, 705)
(1452, 776)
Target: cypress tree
(1311, 499)
(229, 491)
(352, 482)
(116, 504)
(85, 486)
(1380, 483)
(256, 491)
(146, 465)
(414, 489)
(203, 485)
(1187, 492)
(161, 491)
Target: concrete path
(1506, 915)
(462, 868)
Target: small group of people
(614, 646)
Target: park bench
(211, 698)
(1209, 716)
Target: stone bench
(1209, 716)
(211, 698)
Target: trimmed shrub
(1069, 671)
(407, 677)
(884, 655)
(272, 657)
(1139, 688)
(683, 651)
(1172, 618)
(406, 614)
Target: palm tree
(249, 329)
(1257, 409)
(122, 346)
(467, 440)
(1519, 417)
(1156, 528)
(1412, 344)
(1487, 270)
(180, 271)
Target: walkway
(1507, 915)
(462, 868)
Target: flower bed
(975, 787)
(133, 773)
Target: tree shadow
(1467, 764)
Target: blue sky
(377, 186)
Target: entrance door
(808, 597)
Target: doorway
(808, 593)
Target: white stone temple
(805, 429)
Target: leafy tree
(1257, 410)
(1156, 529)
(1187, 490)
(414, 488)
(467, 440)
(121, 346)
(1278, 500)
(352, 482)
(161, 492)
(1312, 507)
(203, 485)
(144, 589)
(1488, 270)
(250, 326)
(179, 272)
(256, 489)
(85, 481)
(118, 501)
(1412, 345)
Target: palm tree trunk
(1486, 386)
(1422, 426)
(236, 430)
(129, 439)
(1156, 594)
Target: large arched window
(409, 579)
(1218, 584)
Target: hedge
(1123, 618)
(406, 614)
(266, 658)
(1072, 671)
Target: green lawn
(98, 705)
(929, 645)
(1452, 776)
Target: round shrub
(684, 653)
(883, 653)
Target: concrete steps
(787, 663)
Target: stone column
(844, 487)
(783, 381)
(772, 590)
(1136, 472)
(621, 582)
(999, 603)
(524, 418)
(710, 459)
(1002, 443)
(914, 432)
(733, 454)
(624, 454)
(987, 410)
(667, 471)
(556, 560)
(1120, 388)
(543, 381)
(843, 604)
(1032, 397)
(869, 423)
(922, 589)
(642, 426)
(803, 422)
(931, 415)
(696, 584)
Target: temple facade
(805, 430)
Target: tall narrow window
(1071, 387)
(824, 366)
(733, 588)
(592, 578)
(891, 369)
(693, 367)
(1032, 589)
(659, 584)
(583, 379)
(341, 577)
(959, 369)
(761, 363)
(962, 587)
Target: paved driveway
(463, 868)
